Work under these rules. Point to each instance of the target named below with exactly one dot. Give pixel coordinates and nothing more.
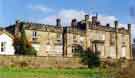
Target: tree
(22, 46)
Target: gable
(5, 37)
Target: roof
(103, 27)
(4, 31)
(42, 27)
(59, 29)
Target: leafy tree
(22, 46)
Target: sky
(46, 11)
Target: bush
(89, 57)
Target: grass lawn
(49, 73)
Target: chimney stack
(129, 27)
(130, 40)
(116, 24)
(17, 28)
(58, 22)
(74, 23)
(86, 17)
(94, 19)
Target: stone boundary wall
(40, 62)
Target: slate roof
(76, 30)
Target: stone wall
(40, 62)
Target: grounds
(49, 73)
(52, 67)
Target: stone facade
(47, 40)
(57, 40)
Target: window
(100, 49)
(101, 36)
(74, 36)
(112, 38)
(76, 49)
(58, 39)
(123, 52)
(34, 35)
(123, 39)
(3, 46)
(58, 36)
(112, 52)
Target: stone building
(58, 40)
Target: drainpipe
(86, 21)
(116, 37)
(130, 44)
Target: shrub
(89, 57)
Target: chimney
(130, 40)
(74, 23)
(94, 19)
(116, 24)
(86, 17)
(58, 22)
(129, 27)
(17, 28)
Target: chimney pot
(108, 25)
(17, 21)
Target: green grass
(49, 73)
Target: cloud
(65, 15)
(40, 8)
(133, 31)
(107, 19)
